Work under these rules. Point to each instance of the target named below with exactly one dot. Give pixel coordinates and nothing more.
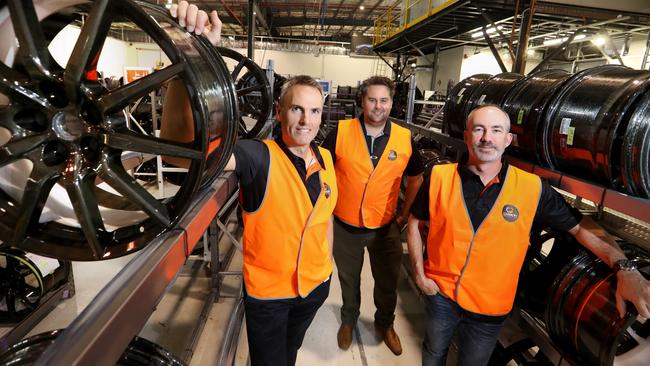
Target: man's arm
(631, 285)
(414, 241)
(412, 187)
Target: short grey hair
(470, 117)
(305, 80)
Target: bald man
(480, 214)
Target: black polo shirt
(552, 210)
(376, 147)
(253, 160)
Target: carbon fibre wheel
(65, 186)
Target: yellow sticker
(520, 117)
(569, 138)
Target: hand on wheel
(198, 21)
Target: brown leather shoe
(344, 336)
(390, 338)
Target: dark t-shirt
(552, 211)
(253, 160)
(376, 147)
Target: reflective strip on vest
(479, 270)
(286, 253)
(368, 195)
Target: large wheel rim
(253, 93)
(73, 134)
(139, 352)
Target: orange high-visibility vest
(479, 270)
(286, 253)
(368, 195)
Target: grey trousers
(385, 251)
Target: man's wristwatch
(626, 265)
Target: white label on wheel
(481, 99)
(461, 92)
(564, 126)
(44, 264)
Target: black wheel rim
(73, 134)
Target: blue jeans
(477, 334)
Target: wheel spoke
(10, 86)
(237, 69)
(37, 190)
(11, 302)
(121, 97)
(88, 46)
(130, 141)
(249, 89)
(33, 48)
(81, 189)
(114, 174)
(18, 149)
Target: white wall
(340, 69)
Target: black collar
(293, 157)
(363, 126)
(466, 174)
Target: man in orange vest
(370, 156)
(480, 214)
(288, 192)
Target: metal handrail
(385, 24)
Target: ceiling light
(489, 31)
(599, 41)
(554, 41)
(413, 65)
(361, 7)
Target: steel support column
(250, 26)
(494, 50)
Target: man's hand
(197, 21)
(427, 285)
(632, 287)
(401, 222)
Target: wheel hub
(67, 126)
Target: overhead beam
(293, 22)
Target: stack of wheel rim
(470, 93)
(64, 190)
(140, 352)
(594, 124)
(582, 319)
(453, 115)
(540, 269)
(587, 120)
(526, 103)
(24, 282)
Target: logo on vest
(392, 155)
(510, 213)
(327, 189)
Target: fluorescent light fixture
(489, 31)
(599, 41)
(557, 41)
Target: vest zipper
(302, 236)
(474, 232)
